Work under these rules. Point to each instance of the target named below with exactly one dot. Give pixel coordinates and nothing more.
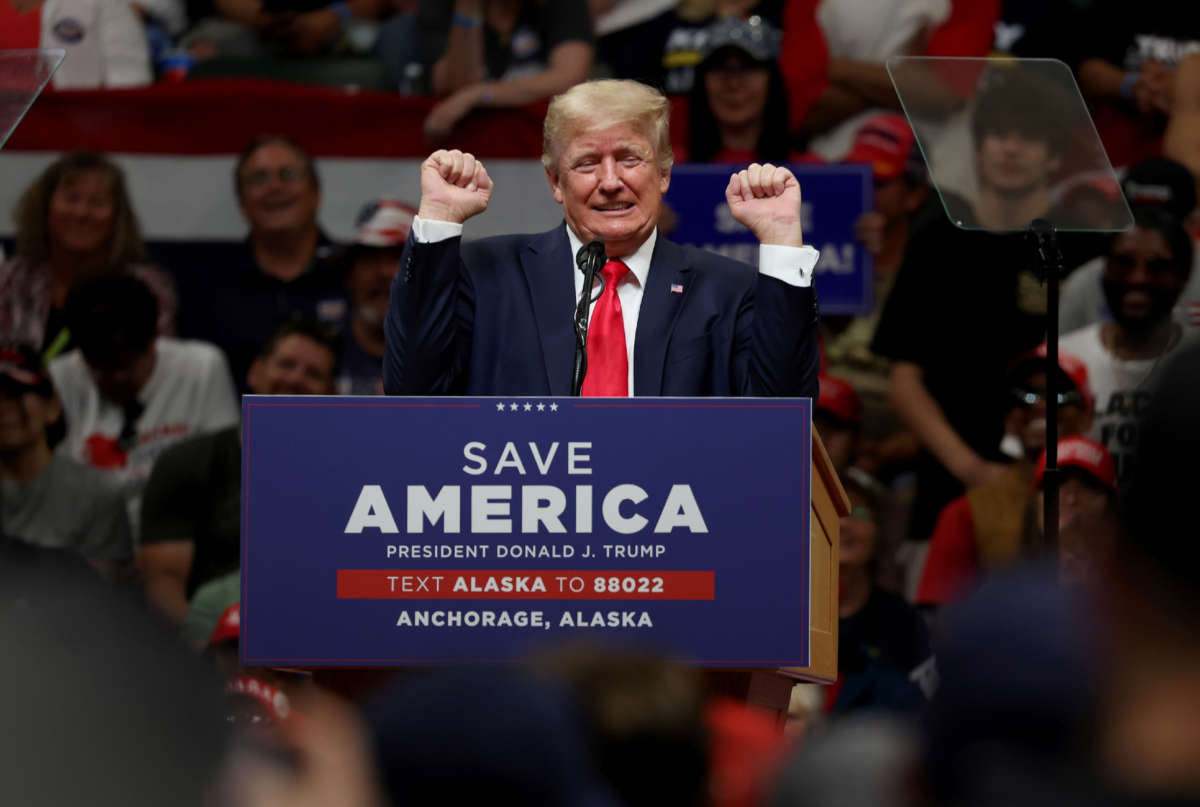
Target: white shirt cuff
(792, 265)
(431, 231)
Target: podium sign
(395, 531)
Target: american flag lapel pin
(677, 288)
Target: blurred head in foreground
(1150, 739)
(644, 719)
(497, 736)
(101, 703)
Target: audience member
(885, 143)
(862, 759)
(211, 600)
(1087, 486)
(746, 751)
(738, 107)
(75, 220)
(101, 705)
(644, 719)
(1181, 141)
(972, 29)
(285, 269)
(373, 260)
(985, 528)
(884, 657)
(834, 62)
(498, 736)
(805, 713)
(328, 760)
(687, 35)
(191, 508)
(128, 395)
(1029, 29)
(260, 701)
(1127, 56)
(103, 39)
(164, 20)
(48, 499)
(398, 47)
(254, 29)
(1150, 592)
(1159, 182)
(481, 53)
(966, 303)
(838, 419)
(630, 36)
(1011, 720)
(1146, 270)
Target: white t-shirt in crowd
(190, 391)
(1121, 389)
(871, 31)
(104, 40)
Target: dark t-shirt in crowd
(964, 305)
(227, 299)
(686, 40)
(194, 495)
(360, 373)
(1128, 35)
(1034, 28)
(540, 28)
(880, 651)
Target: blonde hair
(595, 105)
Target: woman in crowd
(75, 220)
(738, 104)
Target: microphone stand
(590, 258)
(1049, 268)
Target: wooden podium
(771, 689)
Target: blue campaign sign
(388, 531)
(833, 197)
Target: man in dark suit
(495, 317)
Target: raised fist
(766, 199)
(454, 187)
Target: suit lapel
(660, 309)
(547, 263)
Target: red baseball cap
(1071, 366)
(839, 399)
(21, 367)
(886, 143)
(229, 626)
(271, 698)
(1084, 454)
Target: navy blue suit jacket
(496, 317)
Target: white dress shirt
(792, 265)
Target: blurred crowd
(982, 657)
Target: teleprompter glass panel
(1008, 141)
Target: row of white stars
(528, 407)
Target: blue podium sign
(833, 197)
(389, 531)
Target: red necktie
(608, 363)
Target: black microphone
(589, 259)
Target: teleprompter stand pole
(1049, 268)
